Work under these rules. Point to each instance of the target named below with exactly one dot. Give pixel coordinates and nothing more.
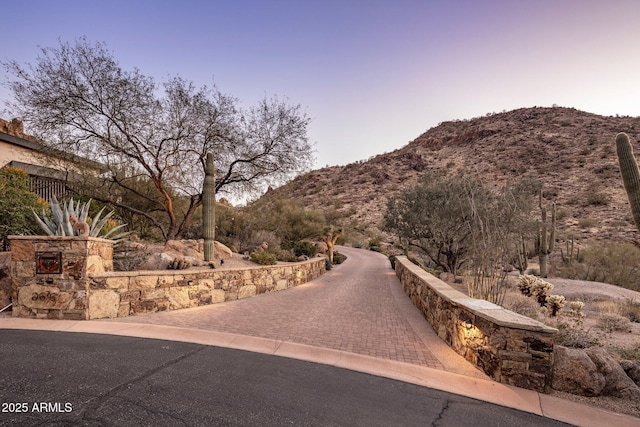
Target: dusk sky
(373, 75)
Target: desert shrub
(631, 310)
(259, 237)
(358, 245)
(283, 255)
(303, 247)
(587, 222)
(562, 213)
(525, 306)
(631, 352)
(569, 336)
(16, 216)
(338, 258)
(263, 258)
(614, 263)
(374, 244)
(613, 322)
(598, 198)
(392, 260)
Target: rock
(184, 248)
(574, 372)
(632, 369)
(156, 262)
(220, 251)
(303, 258)
(617, 384)
(322, 247)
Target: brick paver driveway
(357, 307)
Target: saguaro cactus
(209, 208)
(630, 174)
(546, 238)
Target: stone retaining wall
(122, 294)
(510, 348)
(73, 278)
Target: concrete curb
(476, 388)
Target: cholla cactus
(179, 264)
(532, 286)
(575, 312)
(526, 284)
(541, 291)
(554, 304)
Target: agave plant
(61, 224)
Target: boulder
(157, 261)
(220, 251)
(322, 247)
(591, 372)
(632, 369)
(574, 372)
(617, 384)
(184, 248)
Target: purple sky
(372, 74)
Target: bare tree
(78, 100)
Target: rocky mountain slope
(571, 152)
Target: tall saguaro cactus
(546, 238)
(630, 174)
(209, 208)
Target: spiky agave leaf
(42, 224)
(99, 224)
(84, 212)
(93, 227)
(109, 233)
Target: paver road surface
(358, 307)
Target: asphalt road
(60, 379)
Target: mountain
(570, 151)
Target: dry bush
(525, 306)
(574, 337)
(609, 262)
(631, 310)
(613, 323)
(631, 352)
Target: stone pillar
(49, 274)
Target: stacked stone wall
(510, 348)
(73, 278)
(50, 276)
(131, 293)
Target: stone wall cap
(61, 238)
(485, 309)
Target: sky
(372, 75)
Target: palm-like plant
(61, 225)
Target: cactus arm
(630, 174)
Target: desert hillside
(571, 152)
